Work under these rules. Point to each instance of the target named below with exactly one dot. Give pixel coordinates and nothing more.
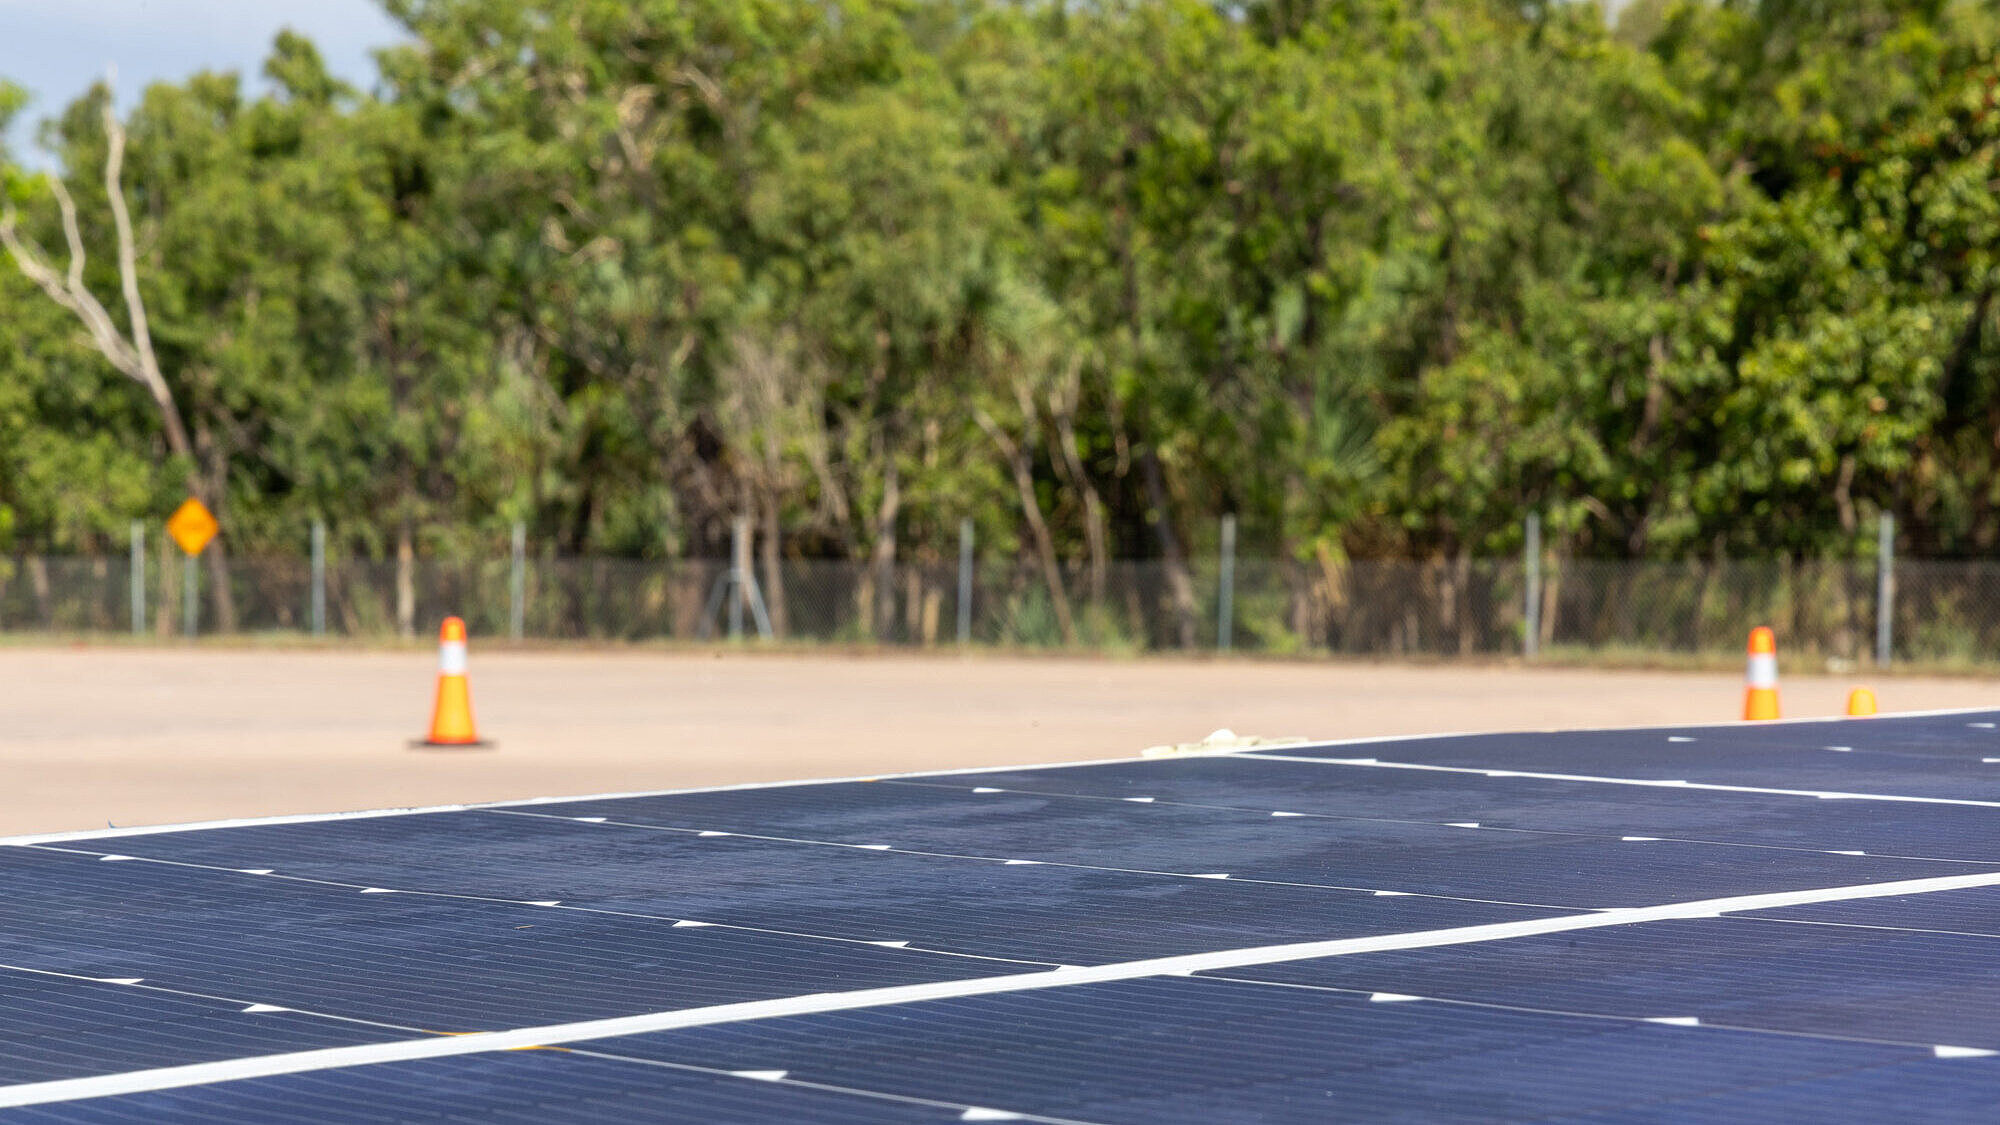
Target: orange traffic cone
(1860, 703)
(1760, 696)
(451, 719)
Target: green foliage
(1379, 277)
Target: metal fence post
(190, 592)
(1531, 639)
(1225, 607)
(319, 578)
(739, 572)
(965, 581)
(517, 584)
(1885, 590)
(138, 578)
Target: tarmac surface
(90, 736)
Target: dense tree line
(1378, 276)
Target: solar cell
(976, 907)
(1750, 972)
(1180, 1050)
(1939, 757)
(516, 1087)
(1928, 830)
(413, 960)
(55, 1027)
(1970, 911)
(1478, 860)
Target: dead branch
(134, 356)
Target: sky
(57, 48)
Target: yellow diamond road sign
(192, 526)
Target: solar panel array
(1746, 923)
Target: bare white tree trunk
(133, 356)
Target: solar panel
(1743, 923)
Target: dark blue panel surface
(1048, 913)
(1868, 984)
(1973, 911)
(433, 963)
(1194, 1050)
(510, 1088)
(52, 1027)
(1943, 1092)
(1830, 1021)
(1260, 786)
(1164, 1050)
(1932, 756)
(1566, 870)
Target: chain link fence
(1943, 611)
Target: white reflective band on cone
(451, 658)
(1763, 670)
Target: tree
(127, 347)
